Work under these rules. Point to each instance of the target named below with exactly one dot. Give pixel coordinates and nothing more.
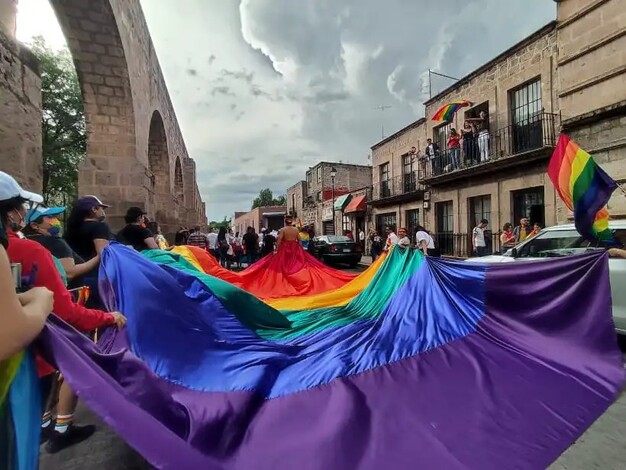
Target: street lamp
(333, 173)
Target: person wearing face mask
(135, 233)
(44, 227)
(88, 234)
(38, 262)
(22, 316)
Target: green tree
(218, 225)
(64, 143)
(266, 198)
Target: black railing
(534, 133)
(397, 186)
(459, 245)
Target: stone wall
(349, 178)
(591, 55)
(20, 114)
(296, 195)
(134, 139)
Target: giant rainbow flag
(418, 362)
(584, 187)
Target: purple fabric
(541, 367)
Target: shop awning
(356, 205)
(342, 201)
(273, 214)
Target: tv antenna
(382, 124)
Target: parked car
(334, 249)
(564, 240)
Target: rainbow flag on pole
(584, 187)
(446, 112)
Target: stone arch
(111, 169)
(158, 165)
(179, 184)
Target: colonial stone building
(269, 217)
(321, 199)
(591, 60)
(396, 197)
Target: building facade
(397, 193)
(321, 198)
(591, 39)
(269, 217)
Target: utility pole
(382, 124)
(430, 82)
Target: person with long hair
(223, 246)
(37, 263)
(507, 238)
(88, 234)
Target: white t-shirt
(479, 237)
(392, 239)
(404, 242)
(423, 236)
(212, 237)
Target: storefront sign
(327, 213)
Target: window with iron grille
(440, 136)
(445, 217)
(412, 221)
(408, 172)
(345, 223)
(385, 190)
(480, 208)
(385, 220)
(526, 110)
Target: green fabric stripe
(250, 311)
(8, 369)
(582, 183)
(271, 324)
(393, 273)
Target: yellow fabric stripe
(336, 298)
(188, 255)
(579, 161)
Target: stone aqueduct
(136, 154)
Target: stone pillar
(8, 17)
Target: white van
(564, 240)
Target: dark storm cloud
(309, 75)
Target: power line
(382, 124)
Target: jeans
(482, 251)
(483, 146)
(454, 158)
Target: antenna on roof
(382, 124)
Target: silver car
(564, 240)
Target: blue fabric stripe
(185, 334)
(25, 402)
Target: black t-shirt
(58, 247)
(250, 241)
(90, 230)
(268, 244)
(134, 235)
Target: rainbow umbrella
(447, 112)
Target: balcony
(398, 189)
(529, 141)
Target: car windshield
(556, 243)
(338, 239)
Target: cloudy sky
(264, 89)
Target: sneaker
(46, 433)
(73, 435)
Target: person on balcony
(482, 125)
(469, 134)
(454, 149)
(432, 154)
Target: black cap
(133, 213)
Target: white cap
(9, 189)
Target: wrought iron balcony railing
(532, 134)
(407, 184)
